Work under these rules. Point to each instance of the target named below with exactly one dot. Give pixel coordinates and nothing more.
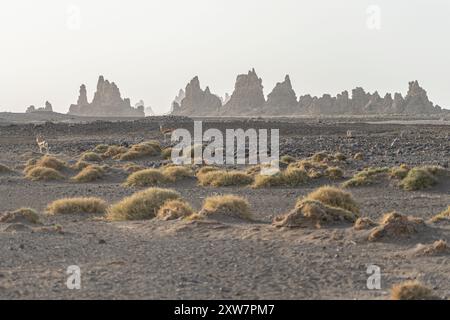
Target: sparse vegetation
(51, 162)
(101, 148)
(436, 248)
(420, 178)
(287, 159)
(340, 156)
(77, 205)
(23, 214)
(364, 223)
(226, 205)
(365, 177)
(145, 178)
(411, 290)
(174, 209)
(141, 205)
(221, 178)
(89, 174)
(90, 156)
(399, 172)
(133, 167)
(292, 177)
(141, 150)
(114, 151)
(166, 153)
(176, 173)
(39, 173)
(444, 215)
(334, 172)
(394, 225)
(334, 197)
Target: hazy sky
(152, 48)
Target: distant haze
(152, 48)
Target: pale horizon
(151, 49)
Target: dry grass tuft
(221, 178)
(411, 290)
(206, 169)
(27, 215)
(320, 156)
(364, 223)
(436, 248)
(176, 173)
(77, 205)
(174, 209)
(292, 177)
(101, 148)
(395, 225)
(141, 150)
(365, 177)
(287, 159)
(340, 156)
(399, 172)
(145, 178)
(89, 174)
(51, 162)
(227, 206)
(334, 172)
(133, 167)
(141, 205)
(38, 173)
(324, 205)
(90, 156)
(443, 216)
(114, 151)
(422, 177)
(358, 156)
(334, 197)
(166, 153)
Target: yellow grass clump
(141, 150)
(420, 178)
(89, 174)
(334, 197)
(292, 177)
(394, 225)
(101, 148)
(174, 209)
(141, 205)
(436, 248)
(411, 290)
(221, 178)
(51, 162)
(365, 177)
(133, 167)
(166, 153)
(399, 172)
(145, 178)
(20, 215)
(90, 156)
(444, 215)
(228, 206)
(340, 156)
(334, 172)
(364, 223)
(77, 205)
(287, 159)
(320, 156)
(38, 173)
(176, 173)
(206, 169)
(114, 151)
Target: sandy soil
(217, 260)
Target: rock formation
(47, 108)
(197, 102)
(107, 102)
(282, 99)
(180, 96)
(248, 97)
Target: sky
(152, 48)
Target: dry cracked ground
(215, 258)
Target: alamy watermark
(373, 21)
(237, 147)
(74, 279)
(374, 279)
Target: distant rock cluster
(248, 99)
(107, 102)
(48, 108)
